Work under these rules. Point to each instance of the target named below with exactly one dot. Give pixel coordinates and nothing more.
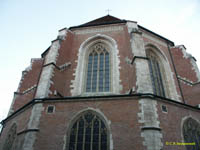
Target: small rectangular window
(164, 108)
(50, 109)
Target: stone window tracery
(191, 133)
(157, 75)
(88, 133)
(98, 69)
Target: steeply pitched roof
(101, 21)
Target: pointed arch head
(98, 38)
(154, 49)
(79, 85)
(191, 132)
(166, 74)
(88, 130)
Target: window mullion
(99, 135)
(92, 70)
(161, 81)
(156, 77)
(98, 67)
(104, 74)
(92, 129)
(76, 139)
(152, 76)
(83, 146)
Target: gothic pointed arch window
(88, 132)
(98, 69)
(11, 137)
(157, 73)
(191, 133)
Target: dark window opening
(50, 109)
(156, 75)
(88, 133)
(98, 70)
(164, 108)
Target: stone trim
(146, 35)
(182, 122)
(29, 89)
(99, 30)
(187, 55)
(77, 84)
(169, 82)
(43, 90)
(150, 125)
(100, 114)
(33, 123)
(187, 81)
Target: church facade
(109, 84)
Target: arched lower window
(156, 73)
(88, 133)
(191, 133)
(12, 134)
(98, 69)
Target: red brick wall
(30, 79)
(122, 113)
(170, 123)
(69, 53)
(21, 120)
(184, 70)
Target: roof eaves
(170, 42)
(98, 24)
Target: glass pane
(107, 89)
(91, 135)
(71, 146)
(88, 138)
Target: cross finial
(108, 10)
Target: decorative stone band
(188, 82)
(29, 89)
(61, 67)
(26, 91)
(99, 30)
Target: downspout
(179, 85)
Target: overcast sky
(27, 28)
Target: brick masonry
(134, 122)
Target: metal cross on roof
(108, 10)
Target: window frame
(89, 50)
(185, 123)
(77, 117)
(160, 90)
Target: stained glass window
(98, 70)
(156, 74)
(191, 134)
(88, 133)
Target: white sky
(27, 28)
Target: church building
(109, 84)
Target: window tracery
(191, 133)
(98, 69)
(88, 133)
(156, 73)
